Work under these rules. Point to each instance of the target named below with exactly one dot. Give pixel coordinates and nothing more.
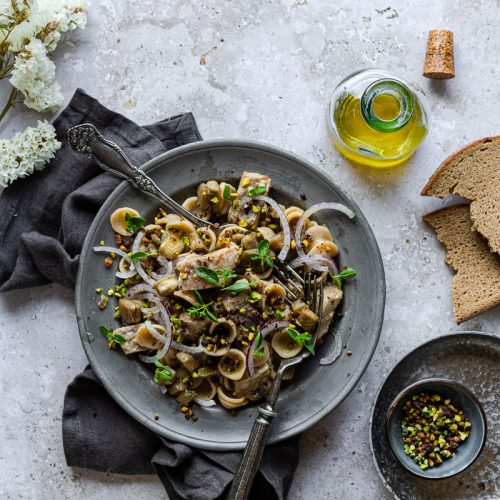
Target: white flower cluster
(27, 151)
(38, 25)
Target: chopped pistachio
(243, 223)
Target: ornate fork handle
(87, 140)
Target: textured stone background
(259, 70)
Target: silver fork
(88, 141)
(243, 479)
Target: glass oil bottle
(377, 119)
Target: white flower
(33, 75)
(27, 151)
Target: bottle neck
(387, 105)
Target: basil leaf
(263, 248)
(134, 223)
(344, 275)
(209, 275)
(105, 332)
(137, 256)
(159, 364)
(256, 190)
(254, 256)
(198, 296)
(226, 194)
(258, 340)
(118, 338)
(238, 286)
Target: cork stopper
(439, 63)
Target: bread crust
(450, 160)
(461, 314)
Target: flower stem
(9, 103)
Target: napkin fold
(45, 219)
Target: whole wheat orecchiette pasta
(201, 305)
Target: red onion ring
(141, 287)
(125, 275)
(168, 337)
(135, 248)
(116, 251)
(186, 348)
(312, 210)
(166, 267)
(287, 234)
(315, 262)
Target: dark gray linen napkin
(45, 219)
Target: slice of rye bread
(474, 173)
(476, 286)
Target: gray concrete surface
(260, 70)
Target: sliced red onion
(276, 325)
(186, 348)
(205, 402)
(150, 310)
(154, 332)
(116, 251)
(142, 273)
(249, 357)
(312, 210)
(317, 262)
(167, 338)
(141, 287)
(336, 351)
(125, 275)
(287, 234)
(166, 268)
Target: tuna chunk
(130, 346)
(241, 211)
(225, 258)
(333, 296)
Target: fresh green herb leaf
(162, 373)
(118, 338)
(226, 274)
(134, 223)
(263, 248)
(268, 261)
(302, 338)
(201, 309)
(226, 194)
(105, 332)
(209, 275)
(344, 275)
(176, 321)
(256, 190)
(137, 256)
(258, 340)
(238, 286)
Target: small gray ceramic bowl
(461, 397)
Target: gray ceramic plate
(472, 359)
(317, 390)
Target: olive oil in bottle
(377, 119)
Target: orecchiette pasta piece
(145, 339)
(152, 227)
(273, 295)
(208, 237)
(284, 345)
(293, 214)
(249, 241)
(228, 402)
(222, 207)
(206, 390)
(223, 334)
(276, 242)
(325, 248)
(233, 364)
(191, 204)
(118, 220)
(232, 234)
(318, 232)
(172, 245)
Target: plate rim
(379, 302)
(446, 336)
